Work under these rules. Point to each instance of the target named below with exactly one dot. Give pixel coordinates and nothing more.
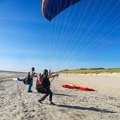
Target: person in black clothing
(46, 84)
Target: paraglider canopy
(51, 8)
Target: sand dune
(103, 104)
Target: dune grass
(91, 70)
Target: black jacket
(45, 81)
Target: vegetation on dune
(91, 70)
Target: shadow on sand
(55, 94)
(85, 108)
(64, 95)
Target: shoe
(30, 91)
(51, 103)
(40, 101)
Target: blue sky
(86, 35)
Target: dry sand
(103, 104)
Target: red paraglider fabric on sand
(77, 87)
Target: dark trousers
(48, 92)
(31, 84)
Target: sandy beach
(102, 104)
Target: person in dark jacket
(46, 84)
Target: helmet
(33, 69)
(45, 71)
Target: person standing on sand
(46, 84)
(31, 79)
